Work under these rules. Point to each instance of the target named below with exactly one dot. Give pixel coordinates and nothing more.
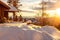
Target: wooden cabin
(5, 9)
(12, 10)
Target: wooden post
(13, 16)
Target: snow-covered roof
(12, 8)
(4, 4)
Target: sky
(28, 5)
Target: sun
(58, 11)
(54, 12)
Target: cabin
(12, 10)
(5, 9)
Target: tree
(46, 5)
(15, 3)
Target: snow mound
(15, 33)
(51, 30)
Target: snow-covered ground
(22, 31)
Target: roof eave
(4, 4)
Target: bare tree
(15, 3)
(46, 5)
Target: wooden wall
(2, 11)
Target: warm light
(50, 13)
(25, 14)
(18, 14)
(58, 11)
(10, 14)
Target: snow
(15, 33)
(12, 8)
(26, 33)
(51, 30)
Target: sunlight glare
(58, 11)
(50, 13)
